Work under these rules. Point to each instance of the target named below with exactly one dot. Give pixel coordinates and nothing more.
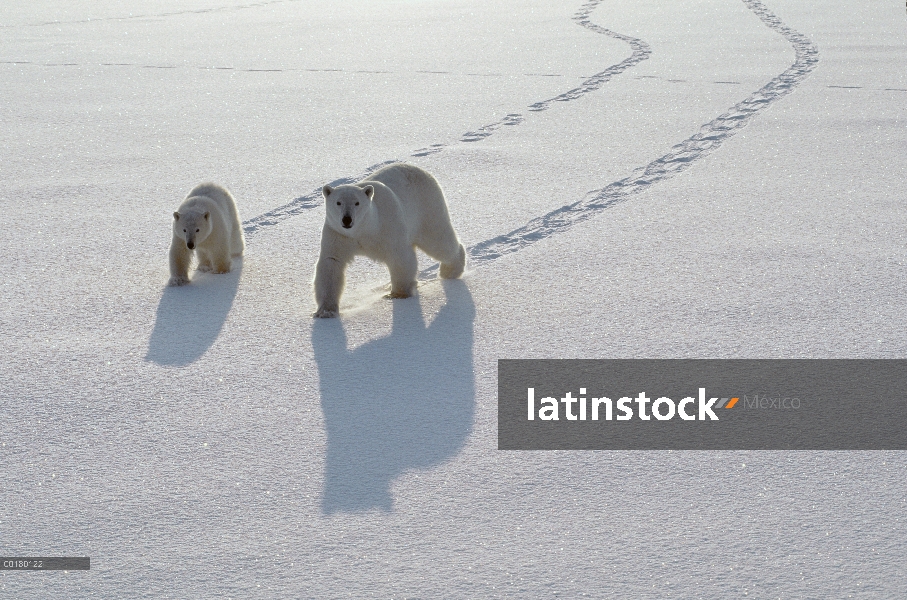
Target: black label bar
(45, 563)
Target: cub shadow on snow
(404, 401)
(190, 317)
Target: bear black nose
(190, 245)
(347, 221)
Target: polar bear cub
(207, 223)
(385, 217)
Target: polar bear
(206, 222)
(385, 217)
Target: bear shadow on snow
(190, 317)
(404, 401)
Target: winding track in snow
(681, 157)
(707, 140)
(313, 199)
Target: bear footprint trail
(313, 199)
(709, 138)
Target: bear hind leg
(442, 244)
(237, 241)
(454, 268)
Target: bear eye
(197, 230)
(338, 204)
(357, 204)
(184, 231)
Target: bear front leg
(179, 262)
(221, 262)
(330, 277)
(403, 267)
(205, 264)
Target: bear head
(346, 207)
(192, 226)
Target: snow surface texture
(215, 441)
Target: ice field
(703, 179)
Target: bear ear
(206, 215)
(176, 216)
(326, 190)
(369, 191)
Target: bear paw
(324, 313)
(178, 280)
(204, 268)
(455, 268)
(398, 295)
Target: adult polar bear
(385, 217)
